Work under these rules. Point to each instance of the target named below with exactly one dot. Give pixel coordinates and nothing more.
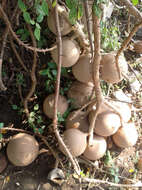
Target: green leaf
(44, 72)
(20, 31)
(45, 7)
(73, 15)
(27, 17)
(39, 10)
(36, 107)
(38, 26)
(80, 12)
(1, 125)
(69, 4)
(32, 22)
(135, 2)
(54, 3)
(40, 18)
(14, 107)
(37, 33)
(52, 65)
(22, 6)
(54, 72)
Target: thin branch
(17, 54)
(55, 120)
(124, 45)
(18, 40)
(33, 76)
(86, 7)
(94, 181)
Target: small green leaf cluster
(51, 73)
(135, 2)
(76, 10)
(41, 10)
(35, 120)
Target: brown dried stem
(33, 76)
(132, 9)
(55, 120)
(17, 54)
(86, 7)
(124, 45)
(96, 66)
(99, 181)
(18, 40)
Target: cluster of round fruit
(108, 122)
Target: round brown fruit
(71, 53)
(80, 93)
(97, 150)
(138, 46)
(107, 123)
(108, 68)
(78, 121)
(126, 136)
(22, 149)
(65, 27)
(82, 70)
(75, 140)
(48, 105)
(124, 110)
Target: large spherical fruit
(126, 136)
(75, 140)
(138, 46)
(108, 68)
(80, 93)
(48, 105)
(22, 149)
(78, 121)
(97, 150)
(71, 53)
(65, 27)
(107, 123)
(82, 70)
(124, 110)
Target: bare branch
(132, 9)
(18, 40)
(55, 120)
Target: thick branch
(132, 9)
(96, 66)
(55, 120)
(125, 43)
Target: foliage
(40, 11)
(35, 120)
(135, 2)
(76, 10)
(110, 36)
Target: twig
(33, 76)
(89, 180)
(17, 54)
(96, 65)
(55, 120)
(124, 45)
(132, 9)
(18, 40)
(86, 7)
(2, 86)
